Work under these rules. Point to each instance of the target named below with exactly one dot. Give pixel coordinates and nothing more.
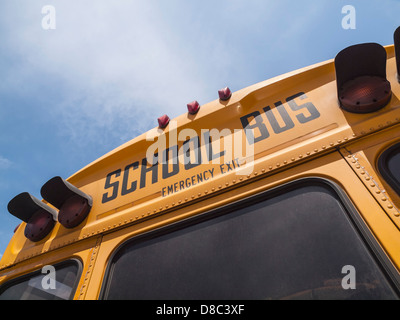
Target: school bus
(308, 209)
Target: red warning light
(225, 94)
(39, 217)
(396, 37)
(193, 107)
(74, 205)
(163, 121)
(39, 226)
(365, 94)
(73, 211)
(361, 78)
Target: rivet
(323, 147)
(300, 156)
(384, 199)
(278, 165)
(390, 206)
(255, 173)
(293, 159)
(308, 153)
(262, 170)
(332, 144)
(315, 150)
(270, 168)
(378, 191)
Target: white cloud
(118, 65)
(4, 163)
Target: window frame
(384, 169)
(27, 276)
(383, 262)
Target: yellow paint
(324, 147)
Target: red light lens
(73, 212)
(225, 94)
(39, 226)
(163, 121)
(365, 94)
(193, 107)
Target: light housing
(362, 86)
(39, 217)
(397, 50)
(74, 205)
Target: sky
(106, 70)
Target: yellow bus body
(339, 146)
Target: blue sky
(111, 68)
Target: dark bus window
(292, 243)
(36, 286)
(389, 167)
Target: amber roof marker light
(362, 86)
(397, 50)
(74, 205)
(39, 217)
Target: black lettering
(145, 170)
(314, 113)
(210, 153)
(186, 153)
(284, 115)
(199, 178)
(133, 186)
(114, 185)
(193, 180)
(175, 163)
(263, 131)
